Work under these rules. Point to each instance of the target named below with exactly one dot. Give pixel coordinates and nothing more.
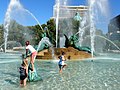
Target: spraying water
(45, 40)
(57, 19)
(95, 8)
(81, 32)
(88, 36)
(63, 22)
(82, 28)
(34, 18)
(92, 26)
(7, 22)
(14, 5)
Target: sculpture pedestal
(71, 53)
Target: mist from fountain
(92, 26)
(14, 5)
(81, 32)
(63, 22)
(45, 40)
(7, 20)
(88, 36)
(96, 7)
(34, 18)
(82, 28)
(57, 19)
(100, 74)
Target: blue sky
(43, 9)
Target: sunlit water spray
(46, 41)
(63, 22)
(13, 6)
(81, 32)
(96, 7)
(57, 19)
(7, 20)
(34, 18)
(82, 28)
(88, 36)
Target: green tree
(51, 32)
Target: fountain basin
(101, 74)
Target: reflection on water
(78, 75)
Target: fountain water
(82, 28)
(14, 5)
(92, 26)
(88, 36)
(63, 22)
(81, 32)
(34, 18)
(101, 74)
(57, 20)
(45, 40)
(94, 7)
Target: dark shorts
(60, 66)
(23, 77)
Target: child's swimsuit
(23, 74)
(61, 62)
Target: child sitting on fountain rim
(33, 53)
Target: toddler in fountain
(23, 70)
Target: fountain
(84, 72)
(14, 6)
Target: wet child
(23, 70)
(61, 62)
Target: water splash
(13, 6)
(45, 40)
(82, 28)
(63, 22)
(92, 26)
(88, 36)
(81, 32)
(34, 18)
(96, 7)
(57, 19)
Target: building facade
(69, 11)
(114, 29)
(114, 33)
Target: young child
(33, 53)
(61, 62)
(23, 70)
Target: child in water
(61, 62)
(23, 70)
(33, 55)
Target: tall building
(114, 33)
(114, 29)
